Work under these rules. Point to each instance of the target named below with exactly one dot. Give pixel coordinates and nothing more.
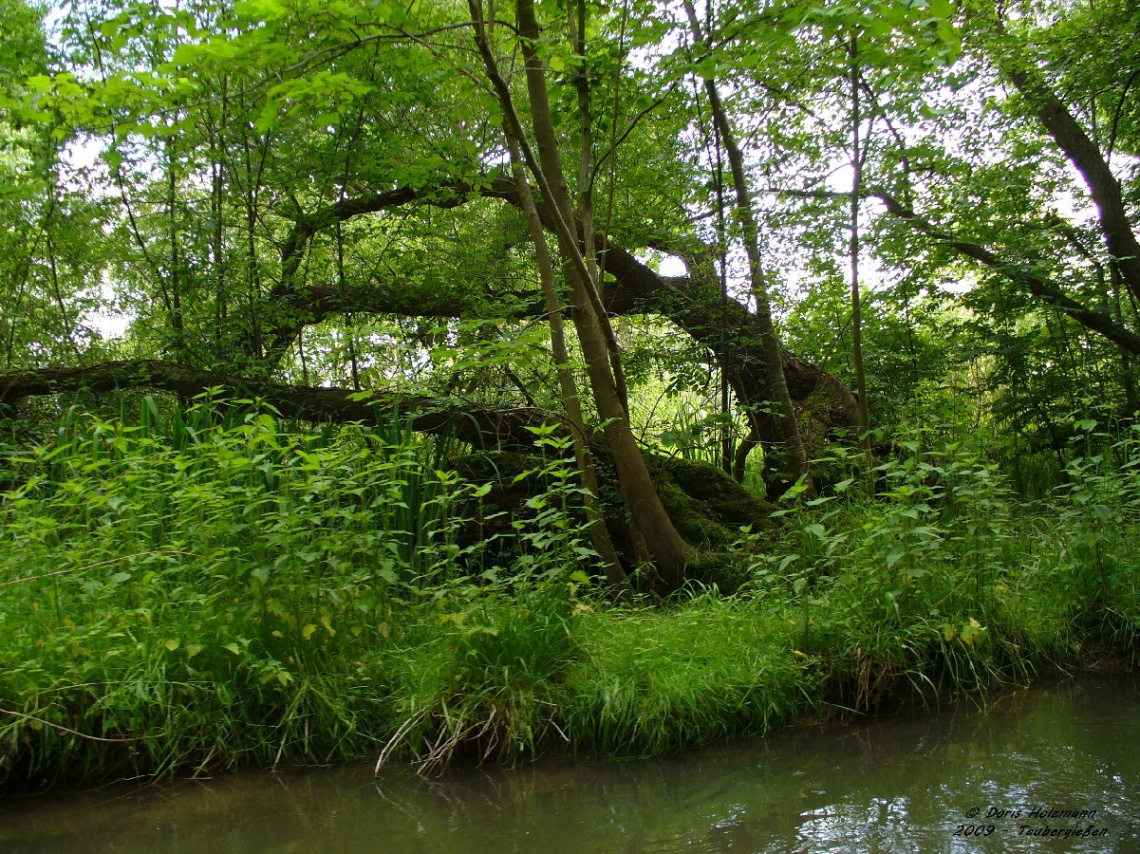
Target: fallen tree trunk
(477, 424)
(824, 406)
(822, 403)
(704, 503)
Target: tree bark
(1086, 157)
(478, 425)
(670, 552)
(599, 534)
(770, 341)
(856, 307)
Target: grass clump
(652, 681)
(205, 596)
(485, 681)
(946, 581)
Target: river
(901, 784)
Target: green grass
(225, 589)
(652, 681)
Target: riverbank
(506, 678)
(256, 597)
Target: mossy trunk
(706, 506)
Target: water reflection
(898, 785)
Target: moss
(690, 516)
(706, 504)
(724, 570)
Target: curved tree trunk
(478, 425)
(670, 552)
(770, 341)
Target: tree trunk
(670, 552)
(773, 362)
(599, 533)
(478, 425)
(1119, 238)
(856, 308)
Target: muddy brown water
(904, 784)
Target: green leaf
(186, 54)
(941, 8)
(389, 575)
(787, 561)
(972, 632)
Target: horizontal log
(475, 423)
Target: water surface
(889, 785)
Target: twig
(90, 566)
(75, 732)
(395, 740)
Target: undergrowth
(222, 587)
